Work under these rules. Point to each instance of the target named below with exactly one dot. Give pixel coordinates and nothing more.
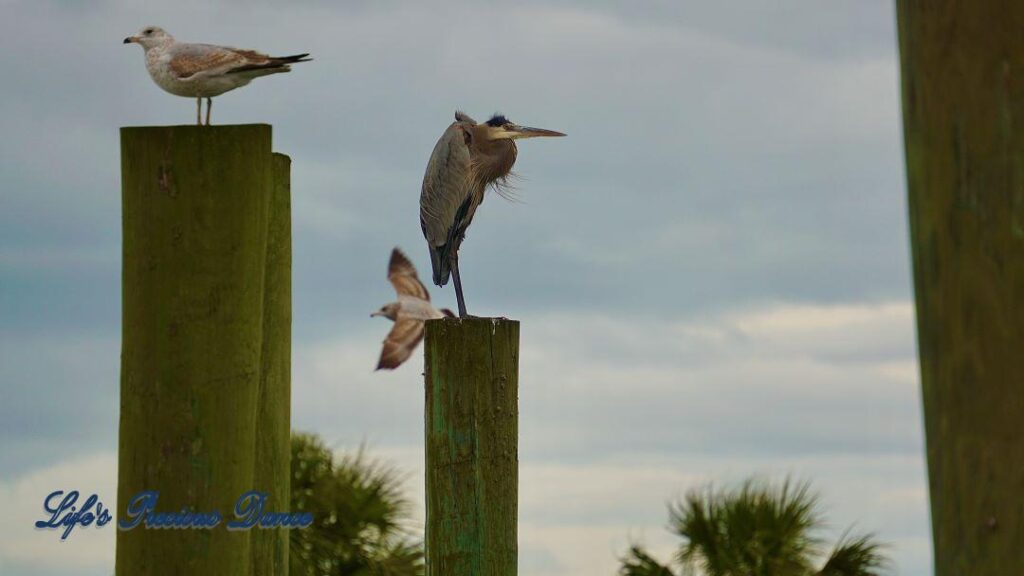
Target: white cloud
(87, 550)
(619, 414)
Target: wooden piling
(472, 465)
(205, 342)
(963, 94)
(273, 421)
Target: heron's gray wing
(405, 335)
(402, 275)
(188, 60)
(446, 184)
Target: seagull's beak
(378, 313)
(517, 132)
(131, 39)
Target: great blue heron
(408, 313)
(467, 159)
(204, 70)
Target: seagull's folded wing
(405, 335)
(188, 60)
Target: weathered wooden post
(273, 419)
(472, 464)
(205, 343)
(963, 112)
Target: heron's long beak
(378, 313)
(131, 39)
(517, 132)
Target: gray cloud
(726, 169)
(725, 162)
(59, 398)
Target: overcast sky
(711, 270)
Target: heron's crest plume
(497, 119)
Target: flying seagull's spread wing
(405, 335)
(402, 275)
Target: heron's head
(389, 311)
(499, 127)
(149, 37)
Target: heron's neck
(496, 158)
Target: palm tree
(756, 530)
(360, 516)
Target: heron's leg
(209, 106)
(199, 110)
(458, 285)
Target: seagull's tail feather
(276, 64)
(293, 58)
(440, 263)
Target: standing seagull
(467, 159)
(204, 70)
(408, 313)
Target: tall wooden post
(963, 105)
(472, 468)
(205, 342)
(273, 419)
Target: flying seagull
(204, 70)
(408, 313)
(467, 159)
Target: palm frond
(361, 516)
(860, 556)
(757, 529)
(639, 563)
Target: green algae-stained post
(273, 437)
(199, 328)
(472, 464)
(963, 114)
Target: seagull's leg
(199, 110)
(209, 106)
(458, 285)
